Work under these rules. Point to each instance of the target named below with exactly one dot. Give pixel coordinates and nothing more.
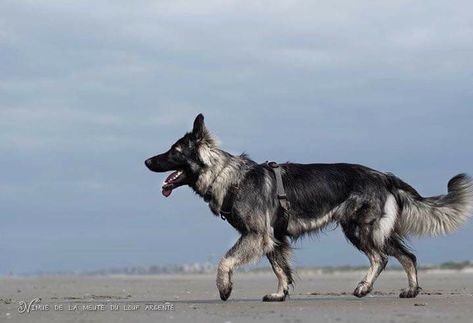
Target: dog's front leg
(250, 247)
(279, 258)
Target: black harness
(281, 193)
(227, 204)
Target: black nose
(148, 162)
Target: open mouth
(170, 181)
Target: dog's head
(186, 157)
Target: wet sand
(446, 297)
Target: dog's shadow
(259, 300)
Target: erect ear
(200, 133)
(199, 130)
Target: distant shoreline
(208, 268)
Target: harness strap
(227, 203)
(280, 186)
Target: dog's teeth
(174, 177)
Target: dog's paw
(276, 297)
(362, 289)
(225, 292)
(410, 293)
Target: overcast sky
(89, 89)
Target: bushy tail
(438, 214)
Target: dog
(377, 211)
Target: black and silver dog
(375, 210)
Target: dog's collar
(208, 193)
(227, 204)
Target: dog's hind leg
(378, 262)
(250, 247)
(366, 226)
(396, 248)
(279, 259)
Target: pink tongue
(166, 192)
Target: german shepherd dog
(376, 211)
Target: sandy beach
(447, 297)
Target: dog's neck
(222, 170)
